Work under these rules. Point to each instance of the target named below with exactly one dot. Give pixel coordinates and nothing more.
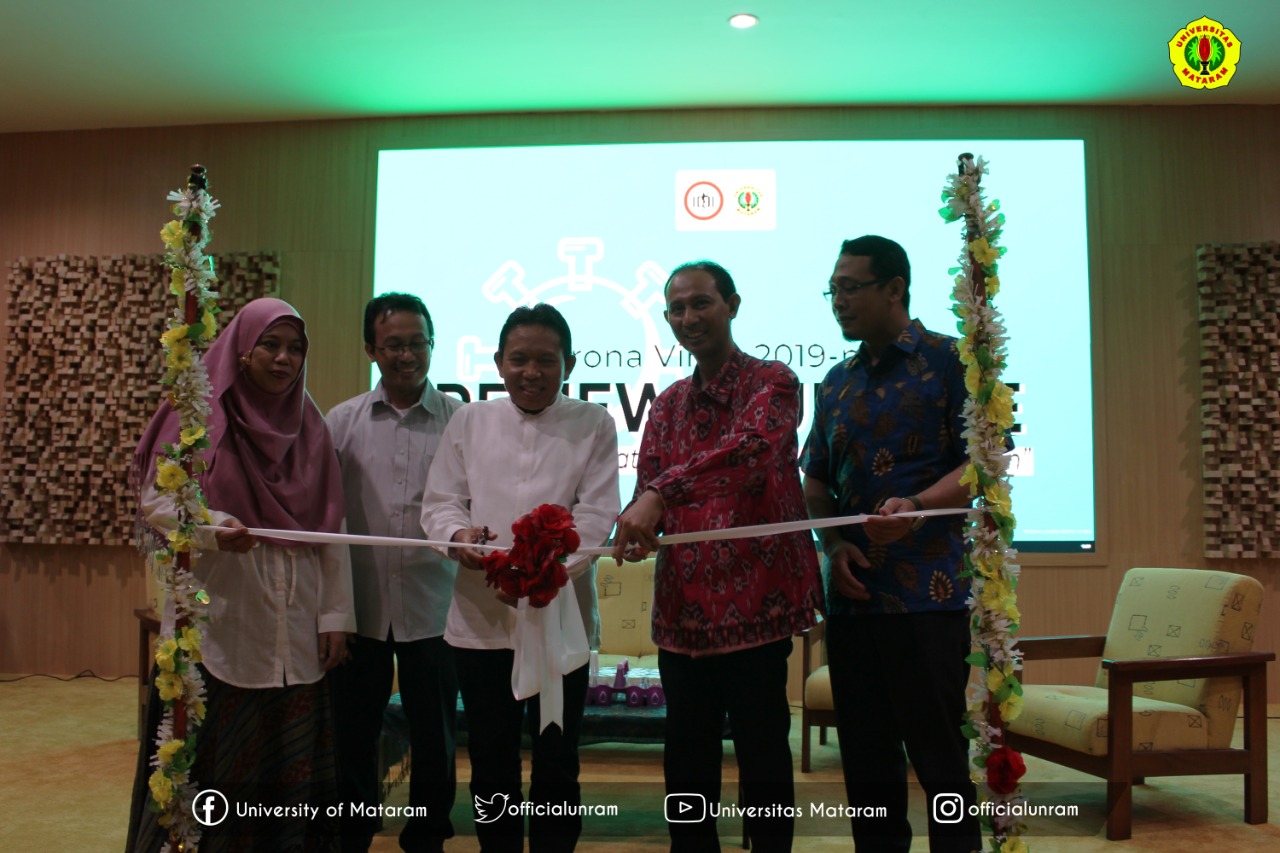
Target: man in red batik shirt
(719, 451)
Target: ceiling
(73, 64)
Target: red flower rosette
(534, 566)
(1004, 768)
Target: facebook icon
(210, 807)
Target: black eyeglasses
(416, 347)
(850, 288)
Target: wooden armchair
(1174, 663)
(817, 707)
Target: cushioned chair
(1165, 699)
(817, 707)
(626, 593)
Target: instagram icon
(948, 808)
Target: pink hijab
(272, 463)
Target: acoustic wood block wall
(82, 381)
(1239, 290)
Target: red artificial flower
(1004, 768)
(534, 566)
(552, 518)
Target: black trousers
(495, 720)
(898, 682)
(750, 687)
(429, 695)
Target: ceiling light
(743, 21)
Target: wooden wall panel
(304, 189)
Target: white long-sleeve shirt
(496, 463)
(267, 607)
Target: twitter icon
(487, 811)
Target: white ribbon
(550, 642)
(603, 550)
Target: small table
(148, 630)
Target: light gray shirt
(385, 456)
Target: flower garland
(990, 561)
(534, 566)
(191, 327)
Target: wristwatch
(918, 521)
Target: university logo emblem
(1204, 54)
(748, 201)
(703, 200)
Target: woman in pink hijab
(279, 611)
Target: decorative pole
(191, 327)
(990, 561)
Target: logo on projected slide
(748, 201)
(703, 200)
(1204, 54)
(726, 200)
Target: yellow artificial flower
(166, 751)
(965, 349)
(190, 643)
(169, 476)
(161, 788)
(178, 359)
(210, 321)
(190, 639)
(180, 541)
(983, 252)
(172, 235)
(172, 336)
(995, 678)
(970, 478)
(1000, 407)
(993, 285)
(164, 655)
(1013, 844)
(178, 283)
(972, 378)
(986, 565)
(1011, 708)
(182, 344)
(191, 435)
(196, 707)
(995, 594)
(997, 498)
(170, 686)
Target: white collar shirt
(495, 464)
(267, 607)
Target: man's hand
(238, 540)
(333, 649)
(637, 534)
(839, 556)
(885, 530)
(469, 558)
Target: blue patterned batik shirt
(892, 430)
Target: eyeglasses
(850, 288)
(416, 347)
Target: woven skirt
(270, 752)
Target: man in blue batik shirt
(886, 438)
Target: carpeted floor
(67, 753)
